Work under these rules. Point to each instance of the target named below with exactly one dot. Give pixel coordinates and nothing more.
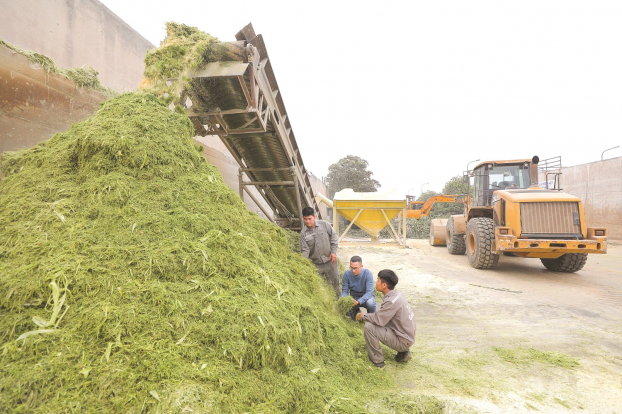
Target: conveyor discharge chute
(236, 97)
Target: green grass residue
(531, 355)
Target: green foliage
(455, 186)
(134, 280)
(427, 194)
(83, 77)
(351, 172)
(415, 229)
(445, 210)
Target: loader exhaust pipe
(533, 171)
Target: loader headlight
(599, 232)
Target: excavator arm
(427, 206)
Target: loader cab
(489, 177)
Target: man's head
(308, 216)
(387, 279)
(356, 265)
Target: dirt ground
(517, 338)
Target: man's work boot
(352, 313)
(403, 356)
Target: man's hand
(356, 303)
(333, 257)
(358, 316)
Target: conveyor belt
(236, 97)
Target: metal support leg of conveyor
(241, 187)
(295, 177)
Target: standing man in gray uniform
(318, 242)
(393, 324)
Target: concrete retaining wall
(34, 105)
(319, 186)
(599, 185)
(76, 33)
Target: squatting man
(393, 324)
(358, 282)
(318, 242)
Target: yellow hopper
(371, 212)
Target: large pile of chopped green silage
(133, 279)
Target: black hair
(356, 259)
(389, 277)
(308, 211)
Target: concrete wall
(77, 33)
(599, 185)
(34, 105)
(319, 186)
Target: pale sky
(420, 89)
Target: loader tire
(455, 242)
(569, 262)
(479, 239)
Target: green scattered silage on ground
(138, 281)
(530, 355)
(85, 77)
(404, 403)
(450, 371)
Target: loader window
(489, 178)
(503, 177)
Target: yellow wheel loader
(509, 213)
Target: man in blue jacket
(359, 283)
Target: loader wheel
(455, 242)
(569, 262)
(479, 238)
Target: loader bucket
(438, 235)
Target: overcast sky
(419, 89)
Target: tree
(444, 210)
(351, 172)
(455, 186)
(427, 194)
